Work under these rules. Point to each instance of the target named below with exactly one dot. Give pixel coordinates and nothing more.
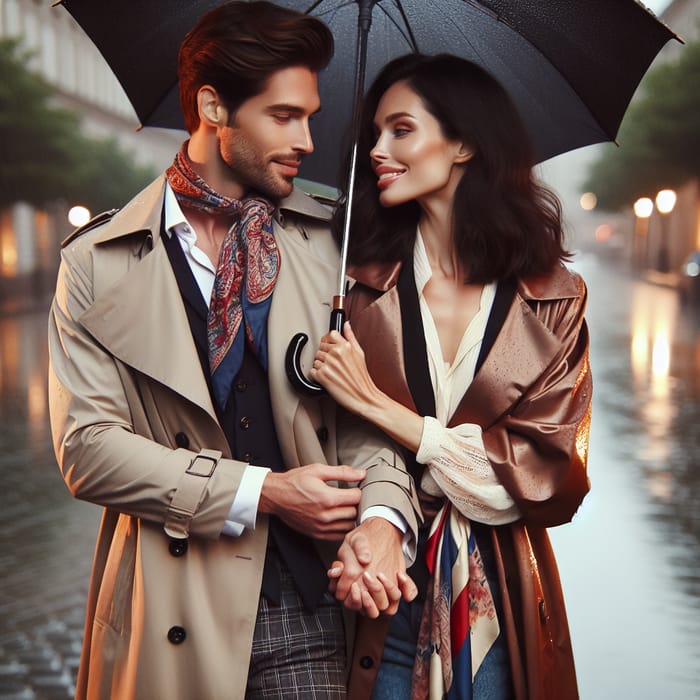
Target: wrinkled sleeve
(539, 448)
(459, 469)
(388, 483)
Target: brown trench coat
(532, 398)
(126, 393)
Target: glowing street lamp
(643, 209)
(665, 201)
(78, 216)
(588, 201)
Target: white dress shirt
(244, 509)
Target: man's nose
(304, 142)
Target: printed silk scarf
(459, 623)
(245, 276)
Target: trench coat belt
(189, 493)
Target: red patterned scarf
(248, 266)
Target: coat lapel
(301, 302)
(140, 318)
(379, 325)
(520, 353)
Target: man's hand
(370, 574)
(302, 499)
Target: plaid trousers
(297, 653)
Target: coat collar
(140, 317)
(143, 214)
(521, 351)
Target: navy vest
(249, 429)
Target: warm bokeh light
(665, 201)
(78, 215)
(588, 201)
(643, 207)
(603, 233)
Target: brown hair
(237, 46)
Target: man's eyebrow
(294, 109)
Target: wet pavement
(630, 561)
(46, 537)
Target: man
(170, 407)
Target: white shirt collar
(173, 212)
(421, 264)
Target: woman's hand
(341, 369)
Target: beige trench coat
(532, 398)
(125, 386)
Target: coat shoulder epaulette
(96, 221)
(327, 201)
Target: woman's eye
(400, 130)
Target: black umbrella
(570, 66)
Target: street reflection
(652, 317)
(23, 388)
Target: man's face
(269, 134)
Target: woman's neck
(435, 225)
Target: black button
(177, 546)
(247, 456)
(181, 440)
(177, 635)
(366, 662)
(245, 422)
(241, 386)
(322, 434)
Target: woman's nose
(378, 153)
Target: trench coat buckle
(190, 493)
(198, 466)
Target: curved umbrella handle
(292, 359)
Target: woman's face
(411, 157)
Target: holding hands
(370, 573)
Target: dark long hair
(237, 46)
(505, 223)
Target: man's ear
(464, 153)
(211, 110)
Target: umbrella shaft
(364, 23)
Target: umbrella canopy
(571, 66)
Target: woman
(469, 348)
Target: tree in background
(43, 155)
(659, 137)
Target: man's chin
(282, 189)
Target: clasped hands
(369, 575)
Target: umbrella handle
(292, 360)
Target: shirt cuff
(430, 441)
(408, 543)
(244, 509)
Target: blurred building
(659, 241)
(67, 59)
